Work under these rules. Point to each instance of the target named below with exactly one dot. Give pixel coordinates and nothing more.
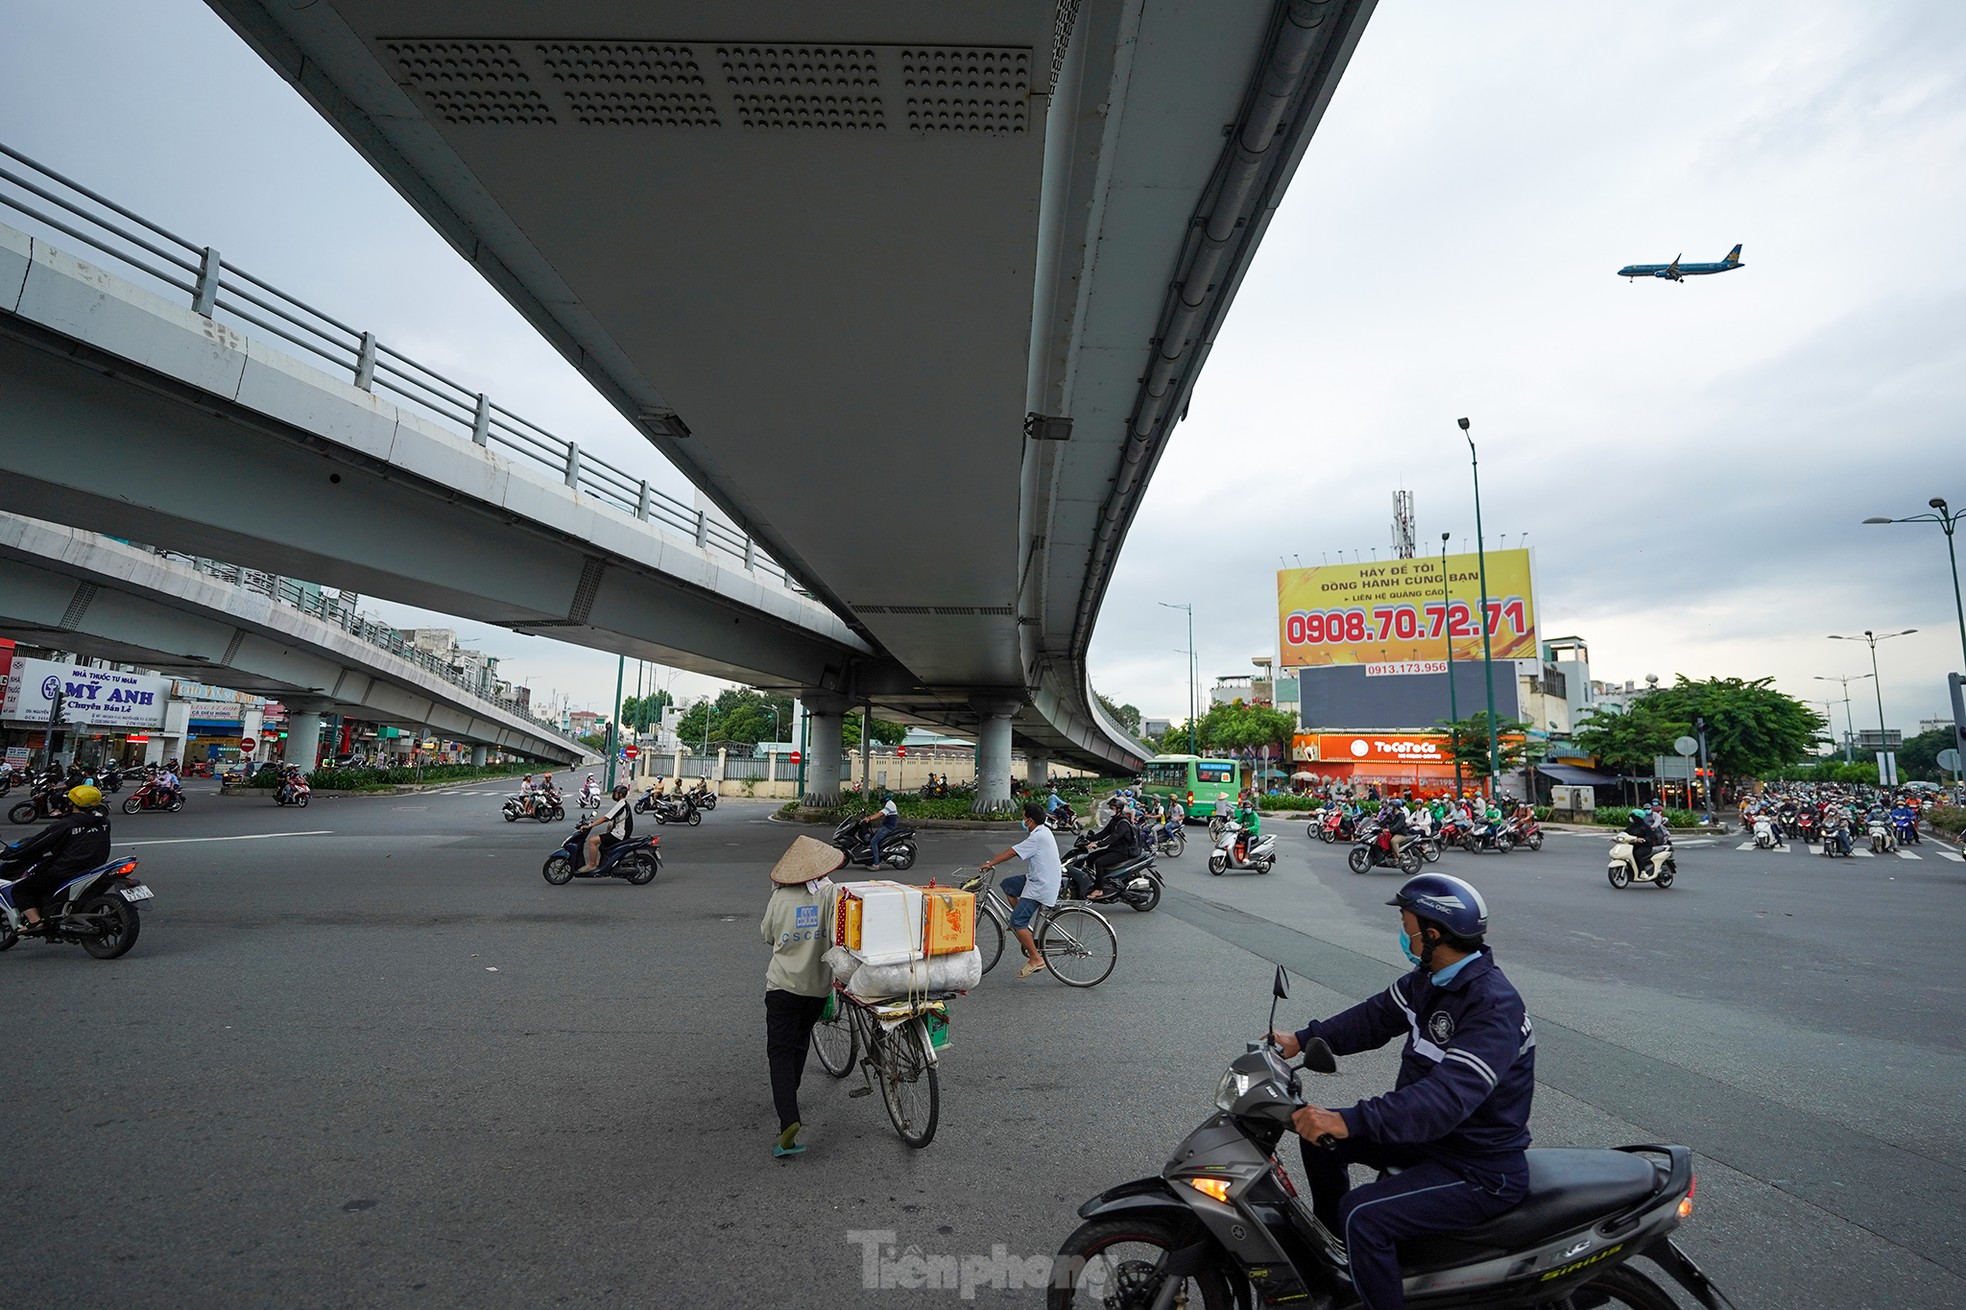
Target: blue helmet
(1451, 902)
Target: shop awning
(1573, 775)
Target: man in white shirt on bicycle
(1036, 887)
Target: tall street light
(1194, 745)
(1872, 638)
(1948, 521)
(1453, 701)
(1849, 728)
(1487, 646)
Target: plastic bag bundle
(958, 972)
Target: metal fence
(340, 613)
(222, 291)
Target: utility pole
(1453, 700)
(1849, 728)
(614, 720)
(1886, 760)
(1487, 646)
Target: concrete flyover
(959, 265)
(76, 590)
(137, 417)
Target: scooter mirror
(1281, 987)
(1318, 1057)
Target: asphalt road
(365, 1055)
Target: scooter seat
(1129, 867)
(1568, 1189)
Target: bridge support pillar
(825, 712)
(993, 716)
(1037, 769)
(480, 755)
(304, 722)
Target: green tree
(1751, 727)
(887, 734)
(1918, 758)
(1628, 740)
(1467, 741)
(644, 712)
(595, 741)
(1254, 727)
(1127, 716)
(740, 716)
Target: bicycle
(1079, 946)
(894, 1042)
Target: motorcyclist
(1645, 838)
(1392, 815)
(881, 823)
(1112, 845)
(1905, 817)
(589, 790)
(609, 828)
(72, 844)
(1456, 1123)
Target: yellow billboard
(1397, 616)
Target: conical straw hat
(807, 858)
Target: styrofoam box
(890, 921)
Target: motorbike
(1489, 837)
(521, 806)
(43, 803)
(1526, 832)
(1623, 869)
(1134, 882)
(1170, 838)
(703, 798)
(1234, 849)
(1803, 826)
(645, 803)
(1835, 834)
(110, 780)
(96, 910)
(1062, 819)
(152, 796)
(676, 809)
(1223, 1225)
(897, 847)
(1907, 828)
(634, 860)
(292, 791)
(1374, 850)
(1883, 836)
(1764, 833)
(1336, 826)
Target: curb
(984, 825)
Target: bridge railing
(221, 290)
(339, 611)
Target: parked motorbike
(1374, 850)
(292, 791)
(1623, 869)
(897, 847)
(1764, 833)
(634, 860)
(96, 910)
(521, 806)
(43, 803)
(1223, 1225)
(1135, 882)
(153, 796)
(1235, 849)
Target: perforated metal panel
(477, 82)
(800, 86)
(966, 89)
(630, 83)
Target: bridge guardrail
(218, 288)
(315, 602)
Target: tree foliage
(1467, 741)
(1627, 740)
(1127, 716)
(740, 716)
(643, 712)
(1751, 727)
(887, 734)
(1918, 758)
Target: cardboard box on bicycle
(886, 922)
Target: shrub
(1617, 816)
(1949, 818)
(911, 807)
(376, 779)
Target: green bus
(1190, 775)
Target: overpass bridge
(76, 590)
(972, 256)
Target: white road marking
(1864, 853)
(1907, 855)
(1745, 846)
(251, 836)
(1956, 859)
(1814, 849)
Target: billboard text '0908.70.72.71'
(1395, 611)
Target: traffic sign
(1948, 759)
(1686, 746)
(631, 751)
(795, 757)
(901, 752)
(248, 745)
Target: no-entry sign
(248, 745)
(795, 757)
(901, 752)
(631, 751)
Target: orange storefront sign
(1374, 748)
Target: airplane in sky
(1676, 271)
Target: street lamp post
(1193, 745)
(1877, 683)
(1487, 646)
(1453, 700)
(1849, 729)
(614, 720)
(1948, 521)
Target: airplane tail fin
(1733, 256)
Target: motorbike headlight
(1231, 1089)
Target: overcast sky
(1690, 461)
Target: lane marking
(1864, 853)
(1908, 855)
(1948, 855)
(251, 836)
(1814, 849)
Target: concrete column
(303, 734)
(993, 752)
(480, 755)
(824, 715)
(1037, 769)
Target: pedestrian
(798, 983)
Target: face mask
(1406, 946)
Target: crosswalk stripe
(1956, 859)
(1815, 849)
(1908, 855)
(1745, 846)
(1864, 852)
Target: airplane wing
(1672, 269)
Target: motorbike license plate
(138, 893)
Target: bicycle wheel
(1079, 946)
(908, 1083)
(989, 939)
(833, 1040)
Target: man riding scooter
(610, 828)
(72, 844)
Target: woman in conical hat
(797, 981)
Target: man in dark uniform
(1456, 1123)
(1112, 845)
(72, 844)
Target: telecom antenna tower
(1403, 524)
